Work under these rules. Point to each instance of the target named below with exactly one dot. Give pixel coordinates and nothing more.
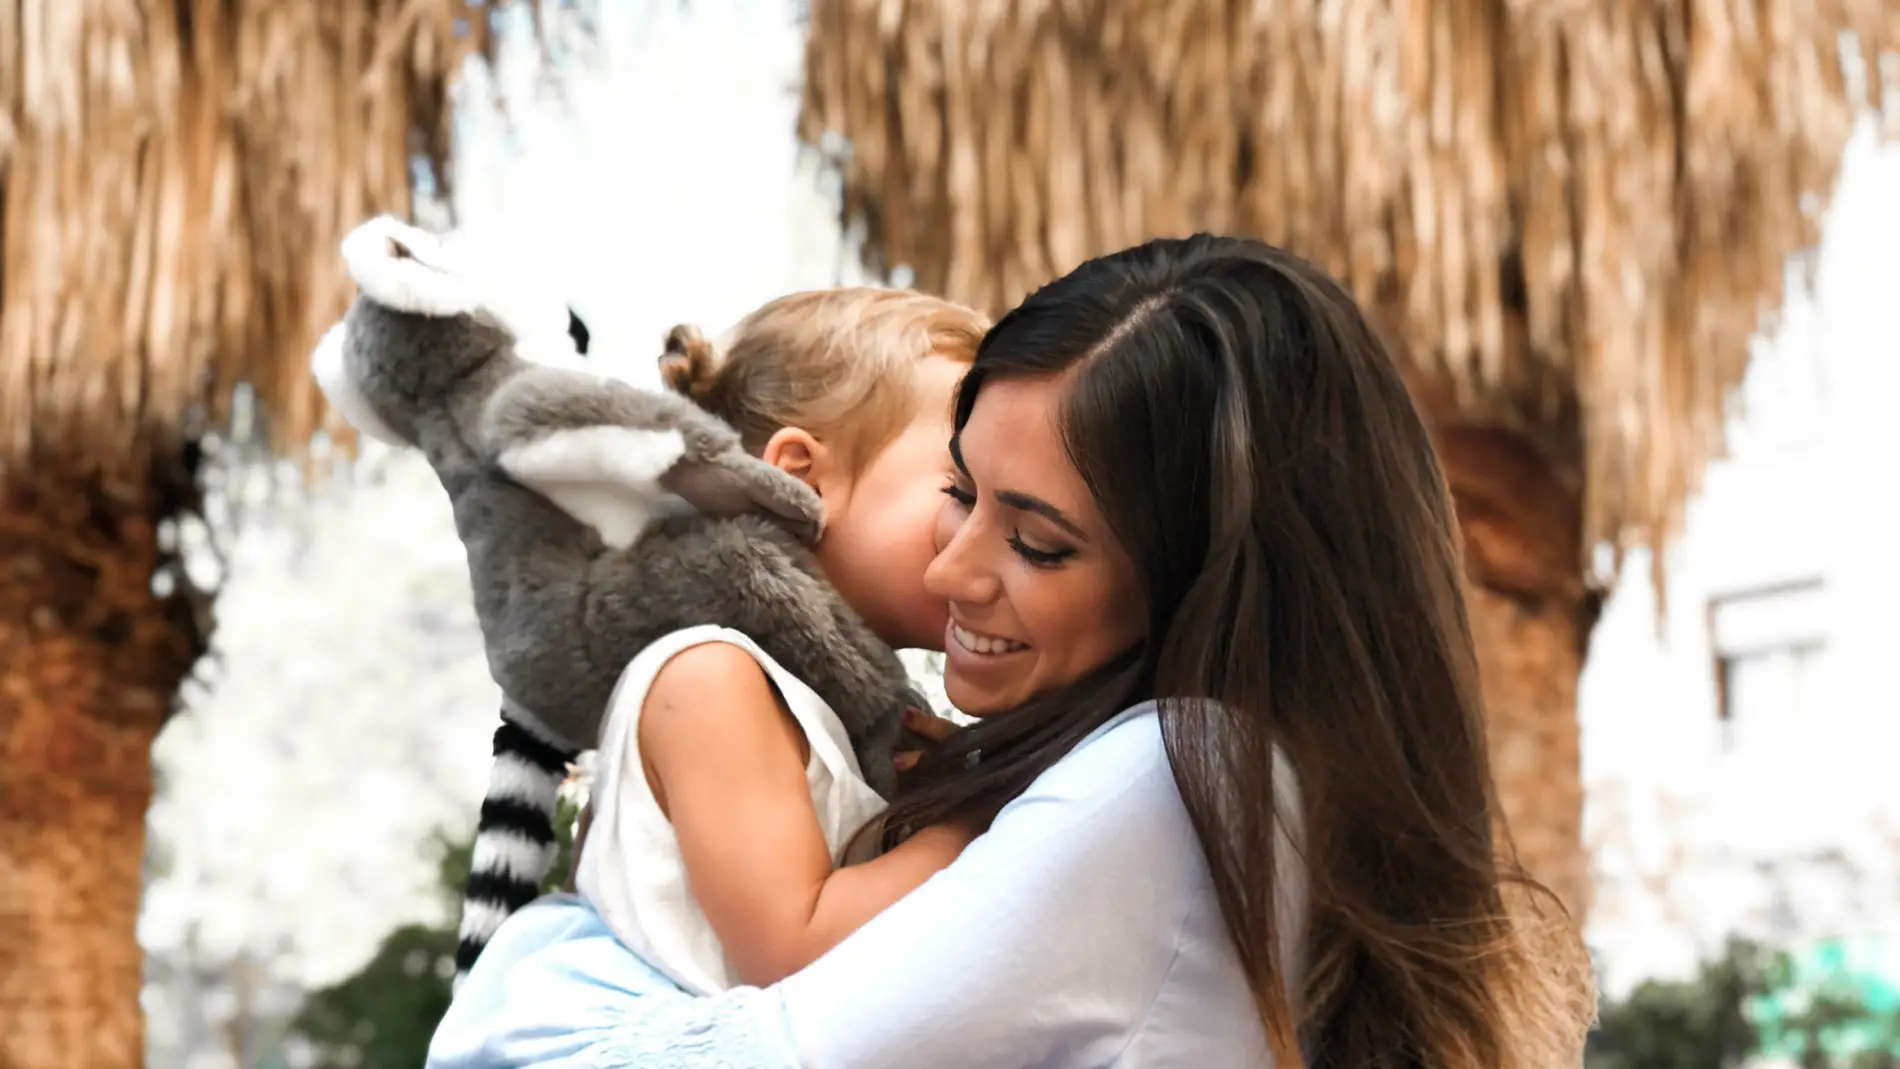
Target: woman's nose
(958, 573)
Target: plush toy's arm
(612, 455)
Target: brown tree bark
(1531, 615)
(89, 660)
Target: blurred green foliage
(1749, 1001)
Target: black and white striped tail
(514, 839)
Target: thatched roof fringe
(175, 176)
(1575, 213)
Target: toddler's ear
(795, 452)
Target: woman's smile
(976, 643)
(980, 664)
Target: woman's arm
(728, 767)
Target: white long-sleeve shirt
(1079, 932)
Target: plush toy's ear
(409, 269)
(614, 455)
(732, 483)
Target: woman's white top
(630, 868)
(1080, 931)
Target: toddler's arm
(727, 763)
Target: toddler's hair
(839, 363)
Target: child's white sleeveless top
(630, 868)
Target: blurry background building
(1739, 754)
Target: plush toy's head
(474, 364)
(430, 315)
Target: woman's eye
(1035, 556)
(1040, 558)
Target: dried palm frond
(175, 177)
(1573, 214)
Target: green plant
(1700, 1023)
(1746, 1002)
(1833, 1006)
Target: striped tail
(514, 839)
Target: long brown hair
(1250, 443)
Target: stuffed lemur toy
(597, 517)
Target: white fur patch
(500, 851)
(523, 297)
(408, 269)
(329, 364)
(607, 477)
(518, 779)
(480, 919)
(550, 350)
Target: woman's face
(1040, 592)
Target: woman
(1196, 544)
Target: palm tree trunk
(1531, 615)
(89, 660)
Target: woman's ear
(796, 453)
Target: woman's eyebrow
(1018, 500)
(1030, 503)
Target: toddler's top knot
(689, 365)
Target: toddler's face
(880, 526)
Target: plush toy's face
(431, 312)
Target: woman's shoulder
(1126, 754)
(1113, 781)
(1125, 763)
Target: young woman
(1197, 548)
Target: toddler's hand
(929, 727)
